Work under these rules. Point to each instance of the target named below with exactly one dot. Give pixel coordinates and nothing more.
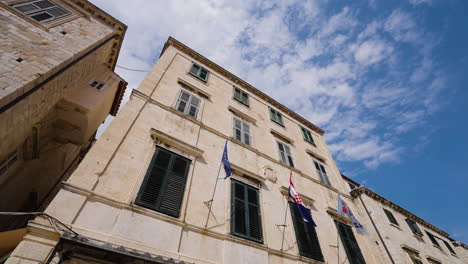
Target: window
(241, 96)
(162, 189)
(241, 131)
(352, 186)
(188, 104)
(433, 261)
(322, 173)
(8, 162)
(97, 85)
(199, 72)
(307, 135)
(42, 11)
(390, 217)
(306, 236)
(433, 239)
(415, 259)
(285, 154)
(414, 227)
(245, 212)
(276, 117)
(449, 247)
(350, 244)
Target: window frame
(307, 135)
(414, 227)
(285, 146)
(246, 212)
(243, 124)
(199, 71)
(188, 104)
(322, 173)
(433, 239)
(168, 172)
(40, 10)
(241, 93)
(391, 218)
(276, 116)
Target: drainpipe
(377, 230)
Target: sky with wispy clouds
(385, 79)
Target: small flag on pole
(343, 209)
(305, 213)
(225, 160)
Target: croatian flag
(305, 213)
(225, 160)
(343, 209)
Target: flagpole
(210, 202)
(338, 244)
(284, 223)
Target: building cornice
(363, 190)
(239, 82)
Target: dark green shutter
(413, 226)
(306, 236)
(432, 238)
(390, 217)
(245, 212)
(276, 117)
(449, 247)
(350, 244)
(164, 184)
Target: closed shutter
(413, 226)
(306, 236)
(164, 184)
(245, 212)
(390, 217)
(350, 244)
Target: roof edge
(238, 81)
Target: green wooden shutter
(245, 212)
(164, 184)
(390, 217)
(413, 226)
(432, 238)
(449, 247)
(306, 236)
(350, 244)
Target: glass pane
(57, 12)
(283, 157)
(237, 123)
(26, 8)
(323, 169)
(194, 101)
(237, 94)
(44, 4)
(193, 111)
(181, 107)
(185, 96)
(238, 134)
(317, 166)
(280, 146)
(290, 161)
(195, 68)
(288, 151)
(41, 17)
(247, 139)
(245, 98)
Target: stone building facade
(152, 188)
(57, 85)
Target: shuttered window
(306, 236)
(245, 212)
(42, 10)
(433, 239)
(164, 184)
(188, 104)
(449, 247)
(285, 153)
(241, 131)
(414, 227)
(241, 96)
(390, 217)
(307, 135)
(416, 260)
(276, 116)
(199, 72)
(350, 244)
(322, 173)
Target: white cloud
(316, 62)
(418, 2)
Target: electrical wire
(128, 69)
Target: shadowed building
(152, 189)
(57, 85)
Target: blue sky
(385, 79)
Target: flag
(305, 213)
(343, 209)
(225, 160)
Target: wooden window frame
(322, 173)
(188, 104)
(243, 133)
(239, 95)
(276, 116)
(391, 218)
(198, 72)
(288, 158)
(52, 20)
(307, 135)
(165, 182)
(247, 235)
(414, 227)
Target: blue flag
(225, 160)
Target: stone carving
(270, 174)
